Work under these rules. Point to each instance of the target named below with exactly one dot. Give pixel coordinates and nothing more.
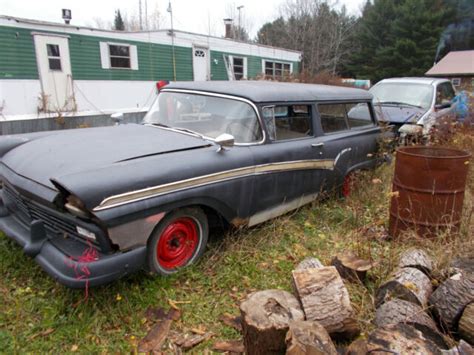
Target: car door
(288, 166)
(348, 136)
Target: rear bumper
(63, 259)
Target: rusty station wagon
(91, 205)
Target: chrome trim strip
(138, 195)
(230, 97)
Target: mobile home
(49, 68)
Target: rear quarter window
(339, 117)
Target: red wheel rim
(177, 243)
(346, 186)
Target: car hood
(75, 151)
(398, 114)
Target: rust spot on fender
(239, 222)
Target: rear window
(338, 117)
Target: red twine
(82, 271)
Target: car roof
(414, 80)
(270, 91)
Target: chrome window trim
(224, 96)
(203, 180)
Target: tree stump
(325, 299)
(308, 337)
(408, 284)
(309, 263)
(451, 297)
(399, 311)
(399, 339)
(418, 259)
(265, 320)
(350, 267)
(466, 324)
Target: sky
(200, 16)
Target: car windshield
(410, 94)
(208, 116)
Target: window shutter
(245, 67)
(104, 55)
(133, 58)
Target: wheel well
(214, 218)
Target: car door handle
(318, 145)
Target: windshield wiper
(396, 103)
(159, 124)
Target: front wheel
(178, 241)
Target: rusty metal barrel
(428, 190)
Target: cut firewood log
(399, 339)
(265, 320)
(399, 311)
(229, 346)
(309, 263)
(466, 324)
(463, 264)
(450, 299)
(408, 284)
(308, 337)
(351, 267)
(463, 348)
(325, 299)
(418, 259)
(357, 347)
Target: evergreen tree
(118, 22)
(399, 38)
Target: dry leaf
(232, 321)
(74, 348)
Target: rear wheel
(178, 241)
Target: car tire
(178, 241)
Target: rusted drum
(428, 190)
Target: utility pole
(170, 10)
(140, 14)
(240, 26)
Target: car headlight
(76, 207)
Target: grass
(38, 315)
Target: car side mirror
(225, 140)
(443, 105)
(117, 117)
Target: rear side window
(339, 117)
(286, 122)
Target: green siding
(254, 65)
(17, 54)
(155, 61)
(18, 59)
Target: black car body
(91, 205)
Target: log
(398, 311)
(265, 320)
(408, 284)
(418, 259)
(325, 299)
(308, 337)
(466, 324)
(351, 267)
(309, 263)
(462, 265)
(450, 299)
(463, 348)
(357, 347)
(229, 346)
(399, 339)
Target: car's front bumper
(69, 261)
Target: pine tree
(118, 22)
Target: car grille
(27, 211)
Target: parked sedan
(91, 205)
(414, 106)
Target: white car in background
(415, 106)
